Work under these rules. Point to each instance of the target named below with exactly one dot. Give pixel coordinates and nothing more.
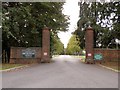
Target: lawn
(8, 66)
(112, 64)
(82, 57)
(54, 56)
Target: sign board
(28, 53)
(98, 56)
(89, 54)
(45, 53)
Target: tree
(22, 22)
(57, 47)
(105, 20)
(73, 45)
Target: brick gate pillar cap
(89, 28)
(46, 28)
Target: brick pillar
(89, 45)
(45, 45)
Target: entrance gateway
(38, 54)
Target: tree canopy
(73, 45)
(22, 22)
(57, 47)
(105, 20)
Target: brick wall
(108, 54)
(16, 55)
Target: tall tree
(73, 45)
(57, 47)
(105, 22)
(22, 22)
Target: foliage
(57, 47)
(22, 23)
(105, 21)
(73, 45)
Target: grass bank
(8, 66)
(113, 65)
(54, 56)
(82, 57)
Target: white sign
(89, 54)
(45, 53)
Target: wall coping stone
(106, 49)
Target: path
(64, 72)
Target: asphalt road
(64, 72)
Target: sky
(71, 9)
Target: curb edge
(109, 68)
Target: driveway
(64, 72)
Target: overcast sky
(71, 9)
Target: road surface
(64, 72)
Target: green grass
(75, 56)
(8, 66)
(54, 56)
(113, 65)
(82, 57)
(0, 66)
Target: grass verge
(113, 65)
(82, 57)
(54, 56)
(8, 66)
